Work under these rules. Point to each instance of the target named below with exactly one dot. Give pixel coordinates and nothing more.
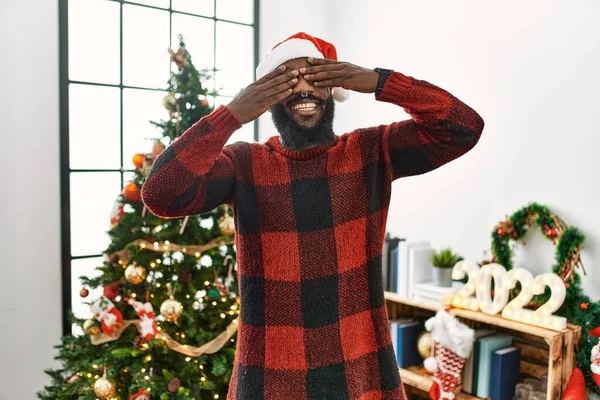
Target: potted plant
(443, 261)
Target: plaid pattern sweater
(310, 227)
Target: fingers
(325, 67)
(279, 97)
(337, 82)
(275, 90)
(325, 75)
(271, 75)
(283, 78)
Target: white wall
(30, 290)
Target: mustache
(298, 98)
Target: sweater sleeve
(195, 173)
(442, 127)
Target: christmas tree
(164, 326)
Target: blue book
(407, 353)
(506, 367)
(487, 347)
(469, 370)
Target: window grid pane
(94, 141)
(94, 41)
(145, 42)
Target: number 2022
(480, 283)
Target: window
(114, 72)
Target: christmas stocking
(453, 344)
(595, 357)
(147, 324)
(105, 311)
(575, 389)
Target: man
(310, 212)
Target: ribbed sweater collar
(306, 154)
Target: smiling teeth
(304, 106)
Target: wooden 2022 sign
(480, 283)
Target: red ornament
(501, 232)
(84, 292)
(204, 103)
(138, 160)
(131, 192)
(111, 291)
(584, 306)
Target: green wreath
(568, 240)
(577, 308)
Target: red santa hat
(296, 46)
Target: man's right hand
(251, 102)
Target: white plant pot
(442, 277)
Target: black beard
(297, 137)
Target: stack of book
(427, 292)
(405, 333)
(492, 370)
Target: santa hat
(296, 46)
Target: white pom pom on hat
(296, 46)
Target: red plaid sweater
(309, 233)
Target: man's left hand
(329, 73)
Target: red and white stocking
(449, 367)
(147, 324)
(105, 312)
(453, 344)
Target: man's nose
(303, 86)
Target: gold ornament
(171, 309)
(135, 274)
(226, 224)
(169, 101)
(104, 388)
(425, 344)
(91, 327)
